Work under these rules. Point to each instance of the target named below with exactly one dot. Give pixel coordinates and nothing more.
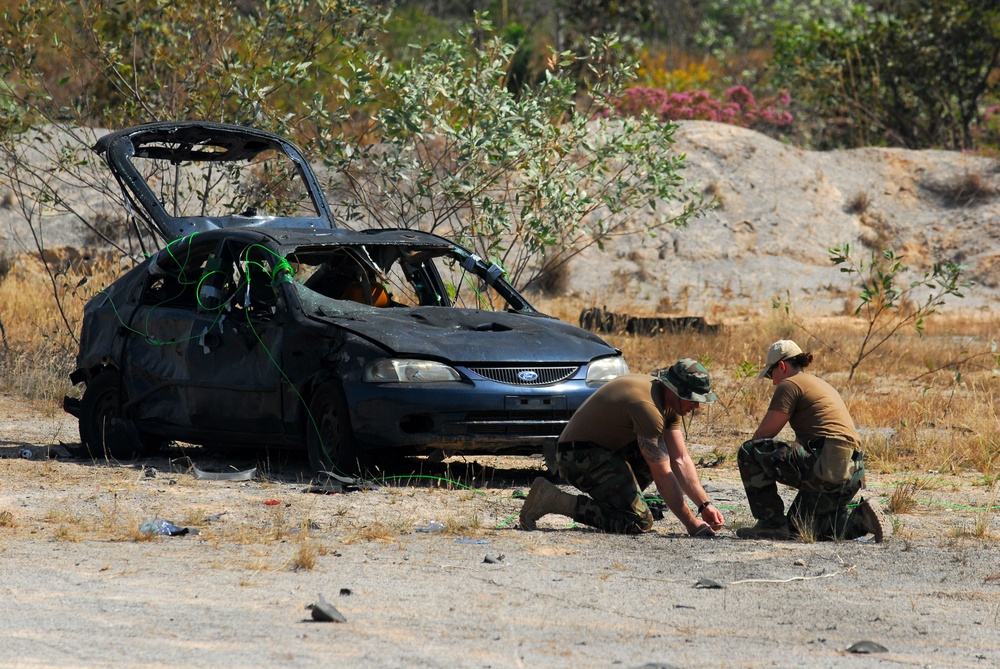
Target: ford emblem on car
(527, 375)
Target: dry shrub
(965, 190)
(983, 518)
(305, 556)
(925, 402)
(105, 229)
(6, 263)
(376, 531)
(858, 203)
(902, 499)
(553, 279)
(41, 331)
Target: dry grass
(922, 402)
(965, 190)
(858, 203)
(40, 331)
(305, 556)
(902, 499)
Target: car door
(233, 353)
(202, 350)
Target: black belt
(577, 445)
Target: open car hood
(193, 176)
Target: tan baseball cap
(783, 349)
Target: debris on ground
(865, 647)
(324, 612)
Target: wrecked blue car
(261, 322)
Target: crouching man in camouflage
(622, 438)
(824, 463)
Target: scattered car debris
(164, 527)
(494, 560)
(345, 592)
(245, 475)
(597, 319)
(326, 488)
(466, 540)
(433, 526)
(334, 484)
(865, 647)
(324, 612)
(708, 584)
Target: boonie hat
(688, 379)
(783, 349)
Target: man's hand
(713, 517)
(702, 532)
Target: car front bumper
(485, 417)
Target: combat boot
(765, 531)
(872, 519)
(545, 498)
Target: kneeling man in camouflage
(824, 463)
(622, 438)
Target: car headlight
(391, 370)
(606, 369)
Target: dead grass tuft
(105, 229)
(305, 556)
(965, 190)
(858, 203)
(805, 528)
(902, 499)
(376, 531)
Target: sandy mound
(781, 208)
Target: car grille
(514, 423)
(509, 375)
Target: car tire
(104, 432)
(329, 438)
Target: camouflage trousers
(613, 482)
(820, 508)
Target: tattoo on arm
(653, 449)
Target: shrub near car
(261, 322)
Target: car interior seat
(376, 296)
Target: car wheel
(104, 432)
(329, 438)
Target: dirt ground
(83, 588)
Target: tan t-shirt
(815, 409)
(619, 411)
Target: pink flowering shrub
(738, 108)
(986, 133)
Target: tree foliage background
(503, 130)
(435, 137)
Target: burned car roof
(182, 176)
